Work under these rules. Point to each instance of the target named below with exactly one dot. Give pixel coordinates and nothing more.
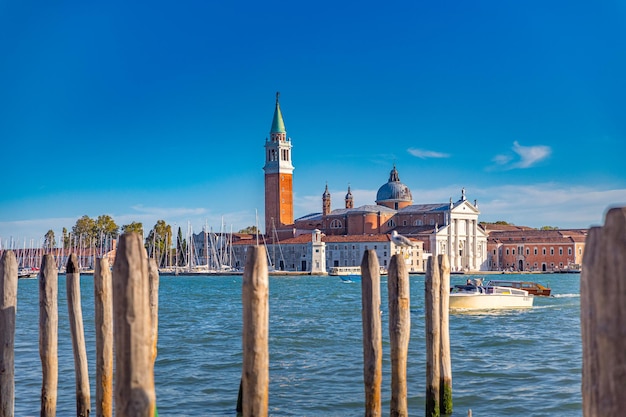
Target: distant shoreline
(321, 274)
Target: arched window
(336, 224)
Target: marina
(316, 349)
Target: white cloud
(197, 218)
(32, 229)
(501, 159)
(423, 154)
(527, 156)
(169, 211)
(547, 204)
(530, 155)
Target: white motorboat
(27, 272)
(344, 270)
(478, 297)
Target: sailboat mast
(206, 243)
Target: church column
(467, 252)
(449, 245)
(465, 246)
(456, 244)
(475, 237)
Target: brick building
(525, 249)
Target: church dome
(394, 190)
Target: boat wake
(566, 295)
(490, 312)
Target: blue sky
(160, 110)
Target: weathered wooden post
(134, 373)
(104, 338)
(399, 333)
(255, 300)
(446, 362)
(153, 278)
(603, 317)
(8, 309)
(432, 307)
(372, 333)
(48, 334)
(153, 274)
(72, 284)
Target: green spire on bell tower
(278, 125)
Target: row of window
(345, 247)
(535, 265)
(536, 251)
(420, 222)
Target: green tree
(83, 232)
(251, 230)
(66, 239)
(49, 241)
(133, 227)
(549, 228)
(158, 243)
(105, 229)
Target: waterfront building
(522, 249)
(316, 252)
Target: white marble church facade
(461, 238)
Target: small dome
(394, 190)
(349, 195)
(326, 193)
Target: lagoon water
(507, 363)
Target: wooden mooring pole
(8, 310)
(48, 334)
(603, 317)
(104, 338)
(372, 333)
(153, 282)
(255, 301)
(399, 332)
(446, 362)
(153, 274)
(432, 307)
(134, 373)
(72, 284)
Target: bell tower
(278, 175)
(326, 202)
(349, 199)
